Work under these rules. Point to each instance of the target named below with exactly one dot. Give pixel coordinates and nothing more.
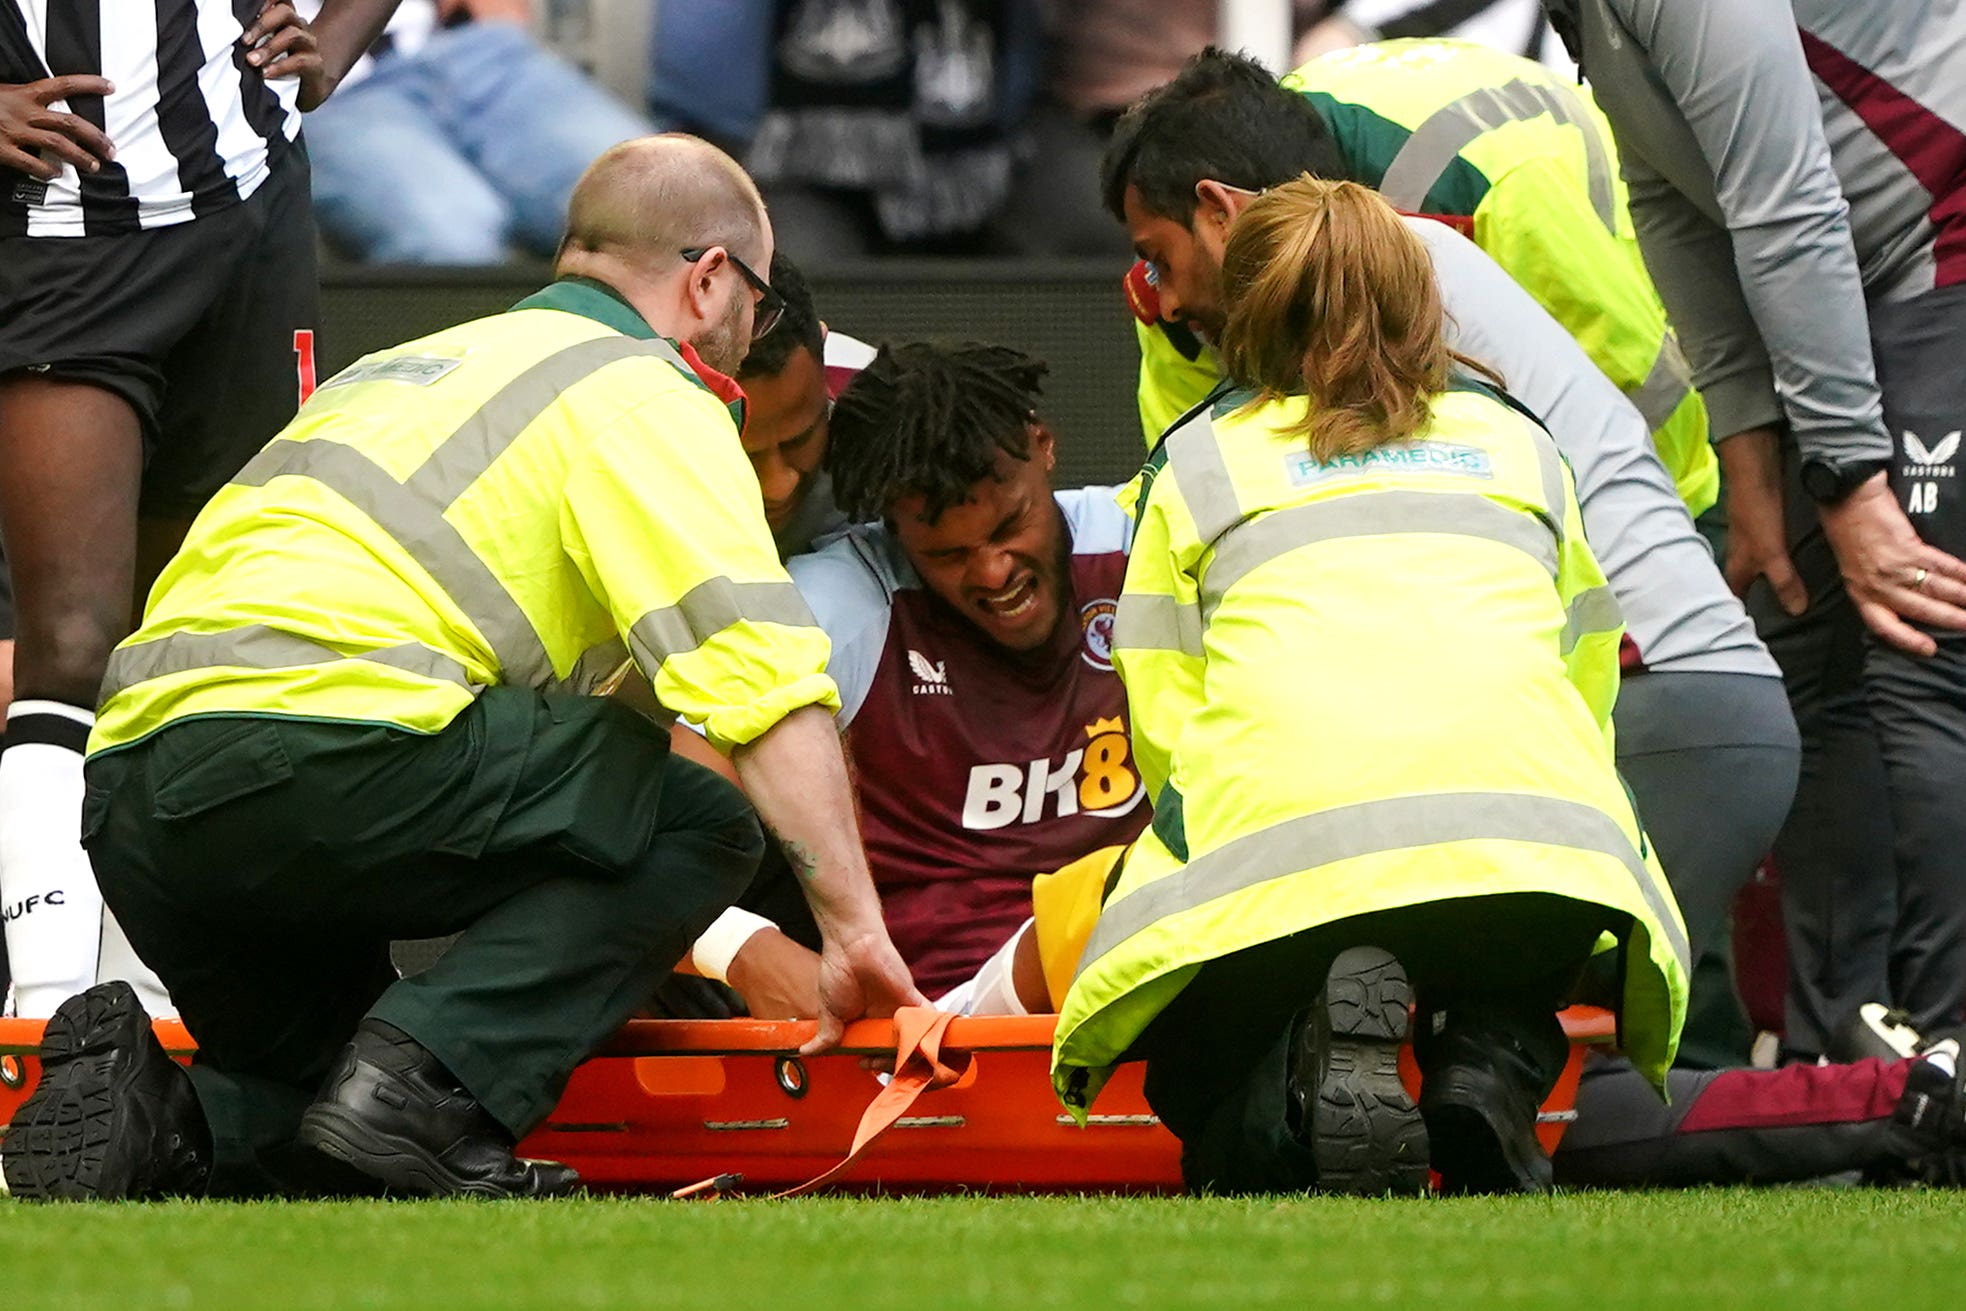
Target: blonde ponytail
(1330, 296)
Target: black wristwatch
(1828, 482)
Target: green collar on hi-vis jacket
(598, 301)
(593, 300)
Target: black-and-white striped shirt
(195, 127)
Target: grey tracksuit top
(1743, 126)
(1677, 609)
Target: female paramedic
(1370, 670)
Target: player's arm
(663, 518)
(1737, 74)
(280, 43)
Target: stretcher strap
(919, 1066)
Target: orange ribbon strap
(919, 1066)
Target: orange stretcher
(671, 1103)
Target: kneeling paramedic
(352, 714)
(1375, 722)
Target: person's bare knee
(63, 660)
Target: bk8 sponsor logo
(1096, 779)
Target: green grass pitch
(1784, 1249)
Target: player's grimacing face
(998, 557)
(1188, 273)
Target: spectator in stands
(458, 139)
(881, 126)
(710, 69)
(1100, 57)
(790, 380)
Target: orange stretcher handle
(919, 1066)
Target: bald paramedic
(354, 712)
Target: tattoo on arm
(803, 859)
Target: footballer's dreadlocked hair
(928, 419)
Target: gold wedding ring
(1918, 577)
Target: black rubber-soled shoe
(391, 1111)
(113, 1116)
(1484, 1133)
(1356, 1116)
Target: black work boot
(1484, 1073)
(390, 1110)
(1353, 1111)
(113, 1117)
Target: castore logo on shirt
(931, 676)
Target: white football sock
(55, 920)
(992, 990)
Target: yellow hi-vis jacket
(523, 500)
(1379, 682)
(1459, 130)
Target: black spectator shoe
(1484, 1074)
(113, 1117)
(1354, 1113)
(391, 1111)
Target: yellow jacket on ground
(522, 500)
(1460, 130)
(1360, 685)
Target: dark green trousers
(262, 866)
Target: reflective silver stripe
(1593, 610)
(412, 512)
(1549, 464)
(1666, 384)
(461, 458)
(1194, 457)
(595, 666)
(255, 646)
(1368, 514)
(1444, 134)
(420, 529)
(1600, 172)
(1150, 622)
(706, 610)
(1309, 842)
